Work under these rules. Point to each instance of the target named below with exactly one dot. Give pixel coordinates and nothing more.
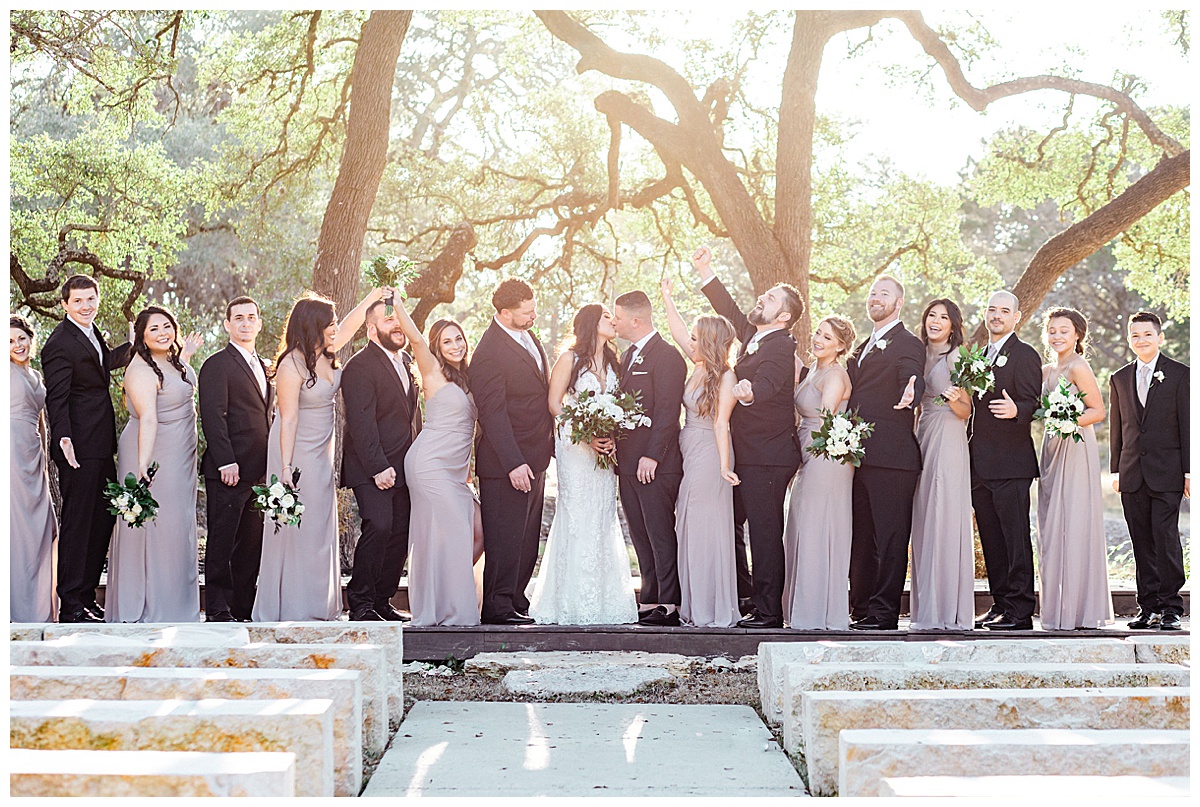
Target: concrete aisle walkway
(453, 748)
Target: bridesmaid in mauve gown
(152, 569)
(300, 576)
(943, 548)
(441, 583)
(1072, 558)
(31, 524)
(704, 506)
(816, 538)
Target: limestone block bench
(303, 727)
(92, 650)
(827, 714)
(868, 756)
(1162, 649)
(150, 773)
(1063, 789)
(773, 656)
(343, 687)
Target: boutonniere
(1159, 377)
(752, 348)
(1001, 360)
(881, 344)
(637, 361)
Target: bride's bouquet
(971, 372)
(841, 437)
(1061, 409)
(602, 414)
(392, 271)
(131, 501)
(280, 501)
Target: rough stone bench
(827, 714)
(102, 651)
(343, 687)
(867, 756)
(388, 635)
(304, 727)
(773, 656)
(1069, 789)
(1164, 649)
(149, 773)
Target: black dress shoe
(746, 606)
(1145, 620)
(511, 618)
(991, 616)
(365, 615)
(1170, 621)
(873, 623)
(219, 616)
(78, 615)
(660, 617)
(95, 610)
(760, 621)
(1007, 622)
(390, 614)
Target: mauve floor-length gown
(816, 537)
(1071, 552)
(31, 524)
(300, 575)
(704, 526)
(943, 548)
(441, 582)
(152, 570)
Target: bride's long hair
(583, 343)
(714, 341)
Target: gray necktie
(867, 349)
(527, 340)
(992, 350)
(400, 371)
(1143, 383)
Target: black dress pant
(234, 548)
(650, 512)
(382, 547)
(85, 528)
(512, 529)
(882, 506)
(741, 552)
(1002, 516)
(1153, 519)
(762, 493)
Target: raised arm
(718, 295)
(350, 323)
(675, 323)
(432, 378)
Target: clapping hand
(909, 392)
(1003, 408)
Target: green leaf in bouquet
(130, 480)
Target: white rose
(1067, 426)
(977, 366)
(838, 448)
(277, 490)
(752, 348)
(1001, 360)
(137, 510)
(299, 509)
(129, 518)
(881, 344)
(645, 421)
(287, 501)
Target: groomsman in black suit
(76, 362)
(1149, 432)
(382, 421)
(888, 374)
(763, 428)
(516, 440)
(235, 413)
(649, 465)
(1004, 465)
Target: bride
(585, 577)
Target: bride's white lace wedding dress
(585, 577)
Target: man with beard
(763, 428)
(382, 420)
(888, 374)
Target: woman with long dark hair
(300, 577)
(704, 506)
(584, 578)
(943, 549)
(152, 574)
(441, 585)
(31, 524)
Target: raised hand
(702, 261)
(191, 343)
(1003, 408)
(666, 286)
(907, 398)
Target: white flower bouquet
(971, 372)
(131, 501)
(840, 437)
(280, 501)
(603, 414)
(1060, 409)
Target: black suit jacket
(77, 399)
(878, 385)
(764, 432)
(382, 420)
(1003, 449)
(657, 380)
(512, 397)
(1150, 444)
(234, 415)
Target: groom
(649, 465)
